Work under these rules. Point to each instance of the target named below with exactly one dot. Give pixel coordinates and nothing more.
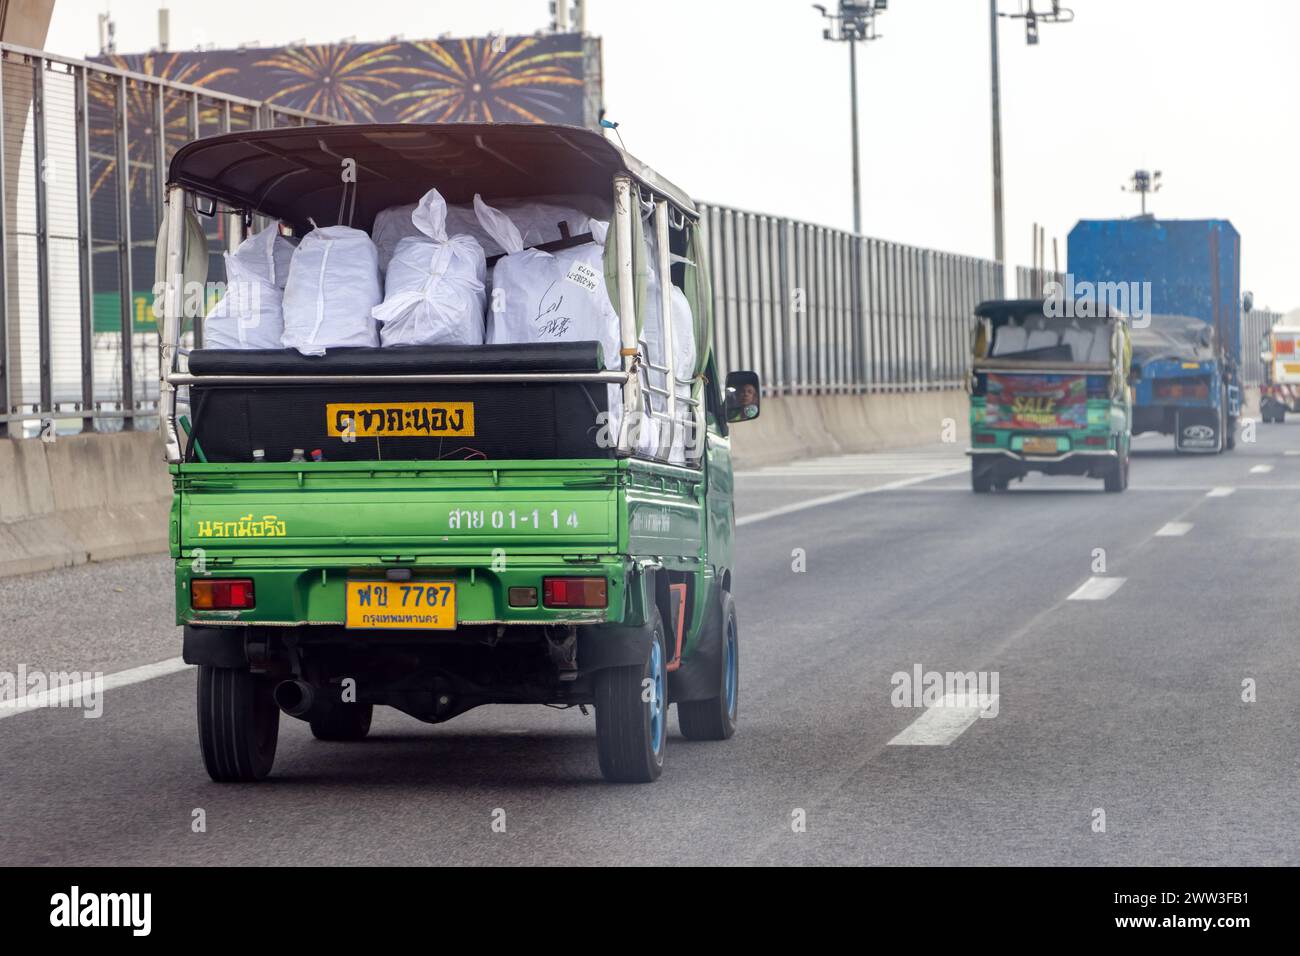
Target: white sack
(434, 291)
(333, 284)
(250, 315)
(552, 297)
(683, 328)
(537, 221)
(392, 225)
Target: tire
(239, 724)
(344, 722)
(631, 732)
(1116, 479)
(981, 477)
(1230, 435)
(715, 718)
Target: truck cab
(434, 528)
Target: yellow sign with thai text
(400, 420)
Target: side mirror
(744, 396)
(1135, 372)
(1247, 301)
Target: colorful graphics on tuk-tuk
(1036, 401)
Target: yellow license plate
(406, 605)
(1039, 446)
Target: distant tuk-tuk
(1049, 394)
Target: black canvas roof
(292, 173)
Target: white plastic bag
(536, 221)
(553, 297)
(333, 284)
(434, 292)
(683, 328)
(392, 225)
(251, 314)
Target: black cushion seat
(410, 360)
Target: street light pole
(1032, 18)
(853, 99)
(999, 252)
(854, 20)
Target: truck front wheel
(239, 724)
(632, 714)
(715, 718)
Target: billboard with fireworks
(552, 78)
(528, 79)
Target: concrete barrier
(806, 426)
(81, 498)
(95, 497)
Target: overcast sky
(742, 103)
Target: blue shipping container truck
(1187, 360)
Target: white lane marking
(1221, 491)
(943, 723)
(1291, 452)
(1097, 589)
(1174, 529)
(842, 496)
(1261, 469)
(72, 693)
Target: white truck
(1280, 352)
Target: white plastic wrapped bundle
(333, 285)
(683, 327)
(392, 225)
(251, 313)
(537, 221)
(552, 297)
(434, 292)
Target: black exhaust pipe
(299, 699)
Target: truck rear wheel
(343, 722)
(239, 724)
(981, 477)
(1116, 478)
(715, 718)
(632, 714)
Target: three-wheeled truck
(1048, 394)
(473, 533)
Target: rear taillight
(574, 592)
(985, 438)
(221, 594)
(1284, 346)
(1096, 440)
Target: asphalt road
(1130, 704)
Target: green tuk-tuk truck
(1049, 393)
(466, 529)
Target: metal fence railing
(83, 159)
(818, 310)
(1032, 283)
